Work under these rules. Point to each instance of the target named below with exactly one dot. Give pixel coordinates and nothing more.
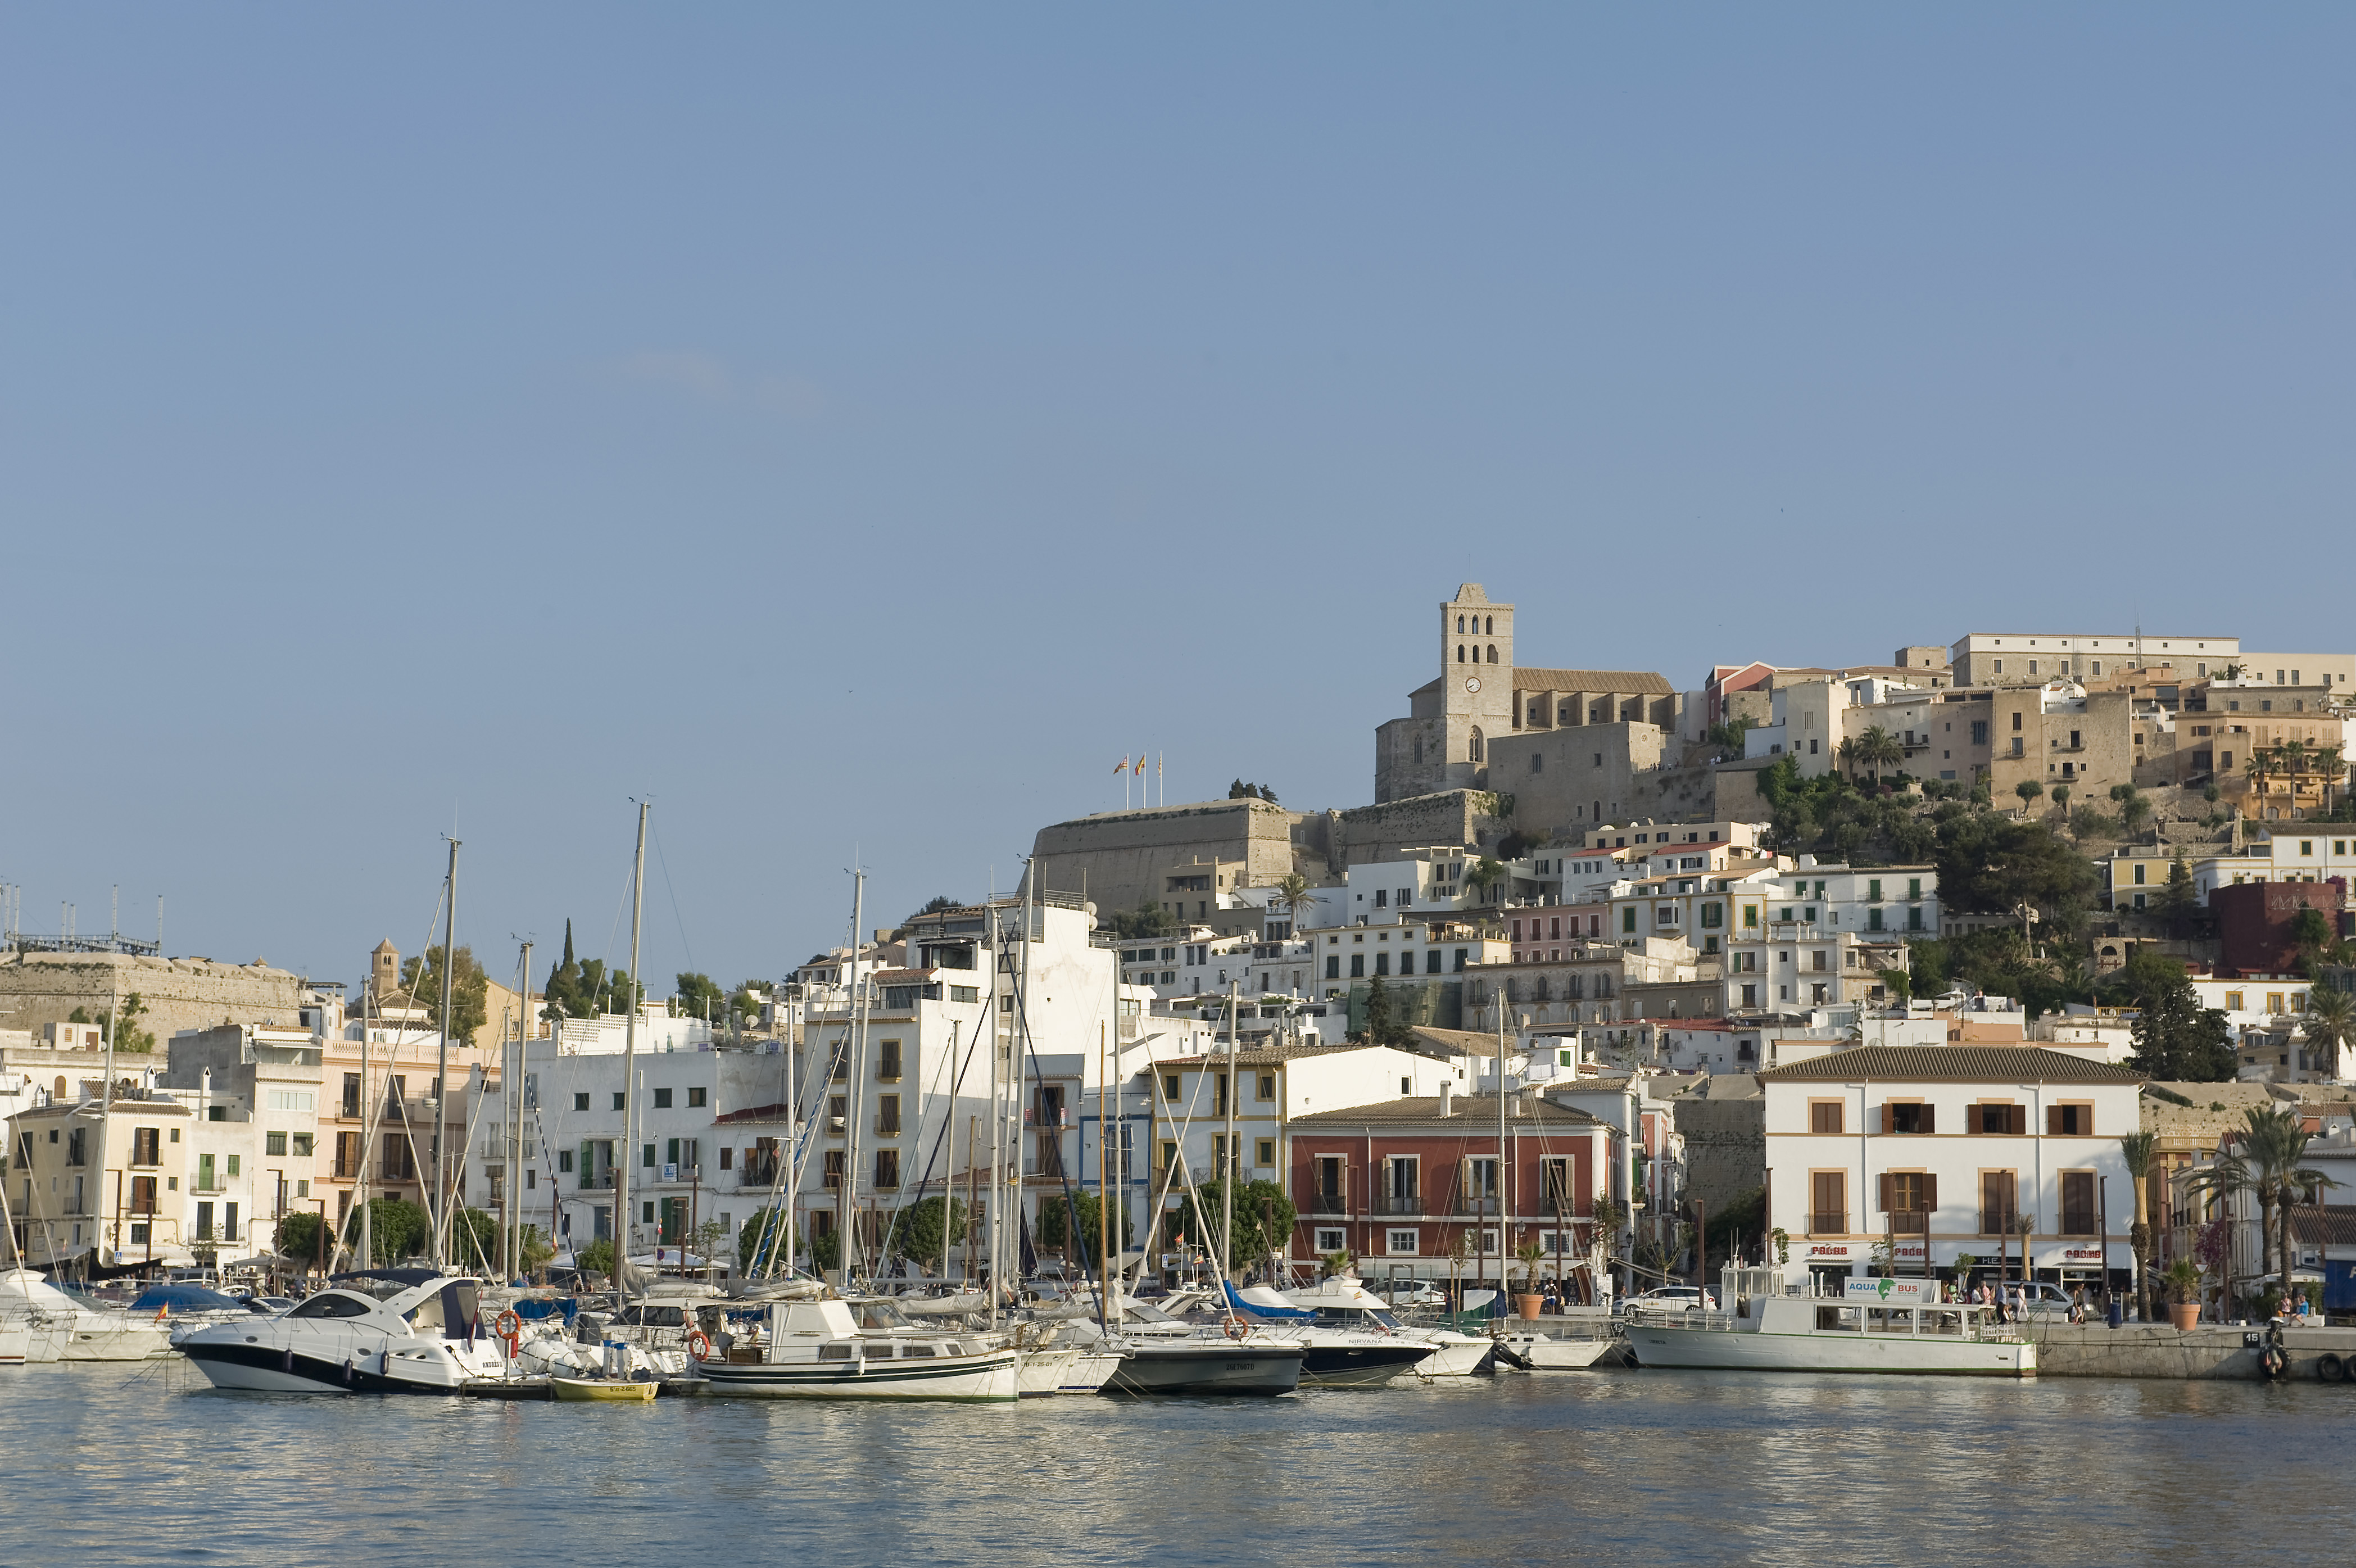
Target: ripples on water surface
(116, 1466)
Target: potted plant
(1528, 1301)
(2183, 1282)
(1782, 1239)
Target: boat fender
(1237, 1328)
(699, 1345)
(2331, 1368)
(2271, 1359)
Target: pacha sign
(1830, 1249)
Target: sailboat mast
(1227, 1160)
(1501, 1143)
(621, 1226)
(515, 1103)
(997, 1181)
(442, 1068)
(367, 1122)
(854, 1026)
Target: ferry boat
(1874, 1326)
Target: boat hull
(970, 1380)
(1044, 1372)
(1361, 1366)
(602, 1390)
(1543, 1355)
(1253, 1369)
(1456, 1358)
(1731, 1349)
(262, 1368)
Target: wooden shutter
(2053, 1120)
(1886, 1184)
(1926, 1119)
(1929, 1189)
(2016, 1120)
(1884, 1127)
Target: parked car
(1672, 1298)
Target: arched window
(1418, 748)
(1460, 626)
(1476, 744)
(1491, 629)
(1493, 653)
(1460, 653)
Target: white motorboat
(416, 1332)
(1166, 1355)
(60, 1328)
(16, 1340)
(1529, 1347)
(826, 1347)
(1876, 1326)
(1342, 1302)
(1350, 1353)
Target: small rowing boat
(613, 1390)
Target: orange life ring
(509, 1328)
(699, 1345)
(1237, 1328)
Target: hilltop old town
(1983, 957)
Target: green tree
(398, 1229)
(1486, 873)
(1991, 864)
(2029, 789)
(596, 1258)
(2311, 930)
(1384, 1026)
(299, 1236)
(940, 903)
(1148, 920)
(2061, 797)
(474, 1240)
(2136, 1151)
(1293, 891)
(1264, 1216)
(2178, 1040)
(2329, 1020)
(1054, 1229)
(581, 988)
(420, 976)
(2178, 899)
(924, 1232)
(697, 996)
(2266, 1161)
(134, 1039)
(757, 1238)
(825, 1249)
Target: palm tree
(2259, 767)
(2330, 1020)
(1293, 889)
(2137, 1149)
(2334, 769)
(2266, 1165)
(1877, 749)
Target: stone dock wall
(2157, 1350)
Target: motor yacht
(61, 1326)
(1348, 1352)
(814, 1346)
(1167, 1355)
(1341, 1302)
(374, 1331)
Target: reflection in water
(1646, 1468)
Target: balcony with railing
(757, 1173)
(1398, 1204)
(1319, 1201)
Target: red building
(2254, 920)
(1397, 1183)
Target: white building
(1947, 1151)
(2020, 659)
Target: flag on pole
(1121, 766)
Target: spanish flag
(1123, 766)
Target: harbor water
(147, 1464)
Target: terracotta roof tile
(1951, 1064)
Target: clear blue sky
(861, 429)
